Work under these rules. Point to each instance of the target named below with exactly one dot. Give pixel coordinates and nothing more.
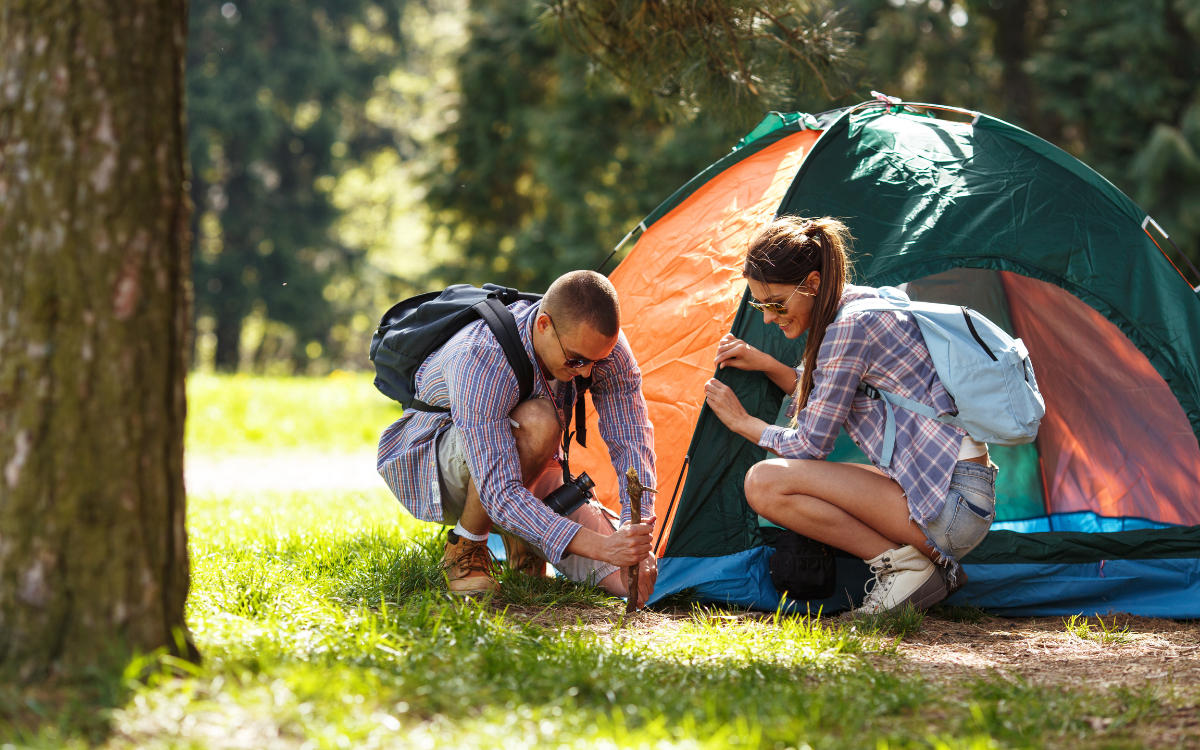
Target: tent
(1101, 514)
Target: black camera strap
(582, 385)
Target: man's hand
(622, 548)
(647, 577)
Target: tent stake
(635, 516)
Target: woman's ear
(813, 281)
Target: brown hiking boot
(521, 558)
(469, 566)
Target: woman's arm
(733, 352)
(721, 399)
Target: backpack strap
(504, 327)
(889, 427)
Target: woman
(936, 498)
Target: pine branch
(731, 58)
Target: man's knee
(539, 433)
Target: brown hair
(584, 297)
(786, 252)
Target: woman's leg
(853, 507)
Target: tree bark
(94, 313)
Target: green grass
(323, 622)
(230, 414)
(1103, 633)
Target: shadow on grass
(62, 709)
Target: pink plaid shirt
(471, 375)
(884, 349)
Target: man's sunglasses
(571, 363)
(779, 308)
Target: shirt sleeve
(841, 363)
(483, 390)
(625, 423)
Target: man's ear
(542, 322)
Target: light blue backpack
(985, 371)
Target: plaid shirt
(471, 375)
(884, 349)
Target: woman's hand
(725, 404)
(733, 352)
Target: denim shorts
(967, 515)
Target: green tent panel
(1103, 512)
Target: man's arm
(483, 390)
(625, 423)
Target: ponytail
(786, 252)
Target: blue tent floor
(1150, 588)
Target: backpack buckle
(869, 391)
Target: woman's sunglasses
(571, 363)
(778, 308)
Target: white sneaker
(902, 576)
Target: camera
(567, 499)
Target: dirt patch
(1042, 651)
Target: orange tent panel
(680, 288)
(1115, 440)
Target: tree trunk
(94, 312)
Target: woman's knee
(760, 485)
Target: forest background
(348, 153)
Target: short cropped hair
(584, 297)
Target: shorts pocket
(968, 528)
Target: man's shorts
(454, 476)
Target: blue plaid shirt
(471, 376)
(884, 349)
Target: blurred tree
(542, 172)
(94, 271)
(276, 94)
(1114, 83)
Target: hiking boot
(521, 558)
(469, 566)
(902, 576)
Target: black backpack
(803, 568)
(418, 326)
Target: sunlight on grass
(323, 622)
(239, 413)
(1102, 632)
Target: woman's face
(797, 299)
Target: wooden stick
(635, 488)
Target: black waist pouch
(803, 568)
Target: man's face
(556, 346)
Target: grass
(1103, 633)
(239, 414)
(323, 622)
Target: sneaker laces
(475, 557)
(875, 593)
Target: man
(492, 459)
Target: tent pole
(641, 225)
(1167, 237)
(671, 506)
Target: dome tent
(1101, 513)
